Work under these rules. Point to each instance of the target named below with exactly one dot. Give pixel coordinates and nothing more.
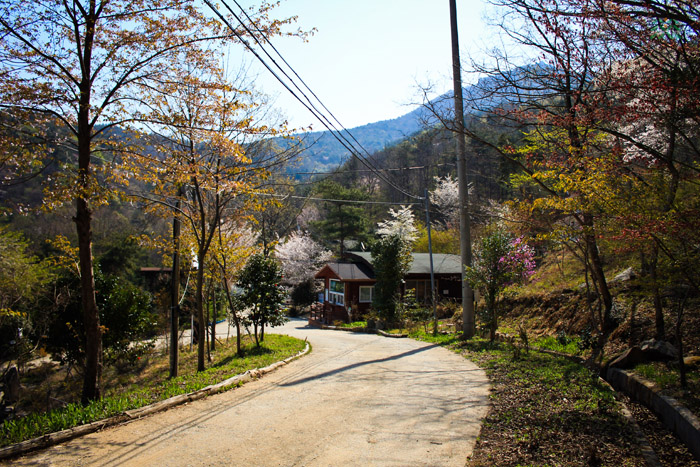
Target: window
(336, 293)
(366, 293)
(422, 288)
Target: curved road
(356, 399)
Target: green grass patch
(154, 387)
(354, 324)
(668, 378)
(658, 373)
(561, 344)
(440, 338)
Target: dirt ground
(357, 399)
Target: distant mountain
(324, 152)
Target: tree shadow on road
(358, 364)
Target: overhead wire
(390, 169)
(316, 112)
(340, 201)
(291, 68)
(310, 106)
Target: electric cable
(339, 201)
(291, 68)
(316, 112)
(312, 108)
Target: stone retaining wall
(675, 416)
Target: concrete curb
(61, 436)
(395, 336)
(675, 416)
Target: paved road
(356, 399)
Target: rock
(692, 361)
(656, 350)
(629, 358)
(625, 276)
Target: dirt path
(357, 399)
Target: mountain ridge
(324, 152)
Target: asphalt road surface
(356, 399)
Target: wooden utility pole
(432, 269)
(465, 242)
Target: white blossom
(301, 257)
(445, 197)
(401, 224)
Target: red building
(348, 285)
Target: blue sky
(368, 57)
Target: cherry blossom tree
(391, 258)
(445, 197)
(301, 256)
(401, 224)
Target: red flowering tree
(499, 260)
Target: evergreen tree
(391, 258)
(262, 294)
(342, 221)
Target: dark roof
(442, 263)
(348, 271)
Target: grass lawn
(146, 383)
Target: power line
(390, 169)
(310, 106)
(300, 79)
(317, 113)
(339, 201)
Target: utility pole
(465, 242)
(432, 269)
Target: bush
(304, 294)
(126, 315)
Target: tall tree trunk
(596, 263)
(234, 314)
(93, 334)
(208, 333)
(658, 303)
(213, 319)
(83, 222)
(679, 344)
